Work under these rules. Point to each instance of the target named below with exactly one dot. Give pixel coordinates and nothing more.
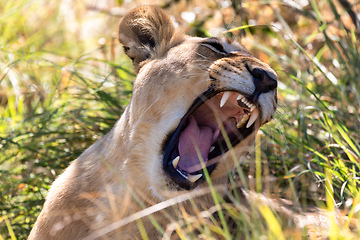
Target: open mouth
(215, 119)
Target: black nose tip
(264, 81)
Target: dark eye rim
(215, 43)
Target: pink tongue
(191, 138)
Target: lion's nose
(264, 81)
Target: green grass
(57, 99)
(60, 92)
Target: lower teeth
(242, 122)
(194, 178)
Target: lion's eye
(216, 46)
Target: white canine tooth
(176, 161)
(194, 178)
(253, 117)
(212, 148)
(252, 108)
(239, 97)
(243, 120)
(224, 98)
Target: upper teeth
(253, 117)
(254, 111)
(246, 102)
(224, 98)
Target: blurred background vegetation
(64, 82)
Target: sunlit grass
(55, 101)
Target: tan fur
(98, 189)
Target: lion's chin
(216, 122)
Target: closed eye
(215, 45)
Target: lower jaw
(215, 158)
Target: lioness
(197, 104)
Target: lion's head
(196, 106)
(193, 100)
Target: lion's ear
(143, 31)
